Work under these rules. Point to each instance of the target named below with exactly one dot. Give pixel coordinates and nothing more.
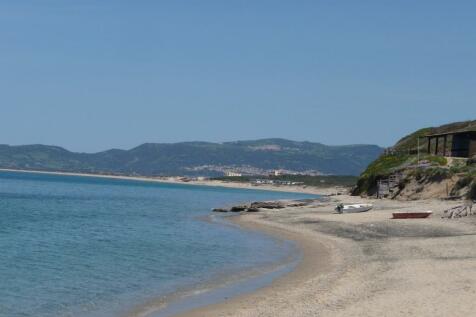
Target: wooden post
(436, 146)
(444, 145)
(451, 146)
(418, 151)
(429, 145)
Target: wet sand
(365, 264)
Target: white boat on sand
(346, 209)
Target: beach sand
(365, 264)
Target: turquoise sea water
(92, 247)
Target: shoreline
(229, 285)
(262, 274)
(323, 191)
(317, 258)
(364, 264)
(278, 276)
(244, 282)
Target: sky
(90, 75)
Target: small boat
(346, 209)
(411, 214)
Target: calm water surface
(80, 246)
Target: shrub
(437, 160)
(437, 174)
(385, 164)
(456, 169)
(366, 184)
(380, 168)
(417, 173)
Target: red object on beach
(411, 214)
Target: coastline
(268, 263)
(232, 284)
(205, 300)
(364, 264)
(325, 190)
(317, 259)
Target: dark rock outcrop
(268, 204)
(273, 204)
(239, 208)
(220, 210)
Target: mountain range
(196, 158)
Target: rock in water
(220, 210)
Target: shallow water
(80, 246)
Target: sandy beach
(365, 264)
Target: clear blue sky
(91, 75)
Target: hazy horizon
(95, 75)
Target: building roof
(449, 133)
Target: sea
(97, 247)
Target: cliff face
(430, 177)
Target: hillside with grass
(418, 174)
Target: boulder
(297, 204)
(268, 205)
(239, 208)
(220, 210)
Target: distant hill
(197, 158)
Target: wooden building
(454, 144)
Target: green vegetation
(404, 159)
(386, 164)
(316, 181)
(435, 160)
(189, 158)
(409, 143)
(436, 174)
(378, 169)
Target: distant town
(248, 170)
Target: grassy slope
(400, 160)
(410, 141)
